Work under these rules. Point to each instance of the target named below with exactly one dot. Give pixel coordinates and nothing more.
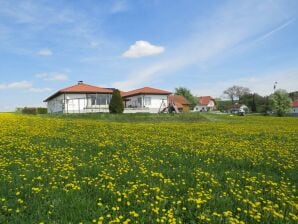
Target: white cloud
(142, 48)
(45, 52)
(119, 6)
(40, 90)
(16, 85)
(55, 76)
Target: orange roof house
(181, 103)
(85, 98)
(205, 103)
(80, 88)
(295, 107)
(147, 98)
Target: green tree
(254, 102)
(116, 105)
(281, 102)
(182, 91)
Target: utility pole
(274, 87)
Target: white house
(294, 108)
(205, 103)
(80, 98)
(84, 98)
(145, 99)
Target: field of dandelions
(230, 170)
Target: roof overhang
(77, 92)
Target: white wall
(55, 105)
(74, 103)
(77, 103)
(294, 110)
(156, 101)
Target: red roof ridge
(146, 90)
(295, 103)
(204, 100)
(80, 88)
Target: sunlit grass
(227, 170)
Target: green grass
(196, 168)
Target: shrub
(42, 110)
(116, 105)
(29, 110)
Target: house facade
(80, 98)
(84, 98)
(205, 103)
(146, 99)
(182, 104)
(236, 108)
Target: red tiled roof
(145, 90)
(179, 100)
(80, 88)
(204, 100)
(85, 88)
(295, 103)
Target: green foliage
(222, 105)
(29, 110)
(42, 110)
(116, 105)
(32, 110)
(281, 102)
(254, 102)
(182, 91)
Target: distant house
(205, 103)
(146, 99)
(181, 103)
(294, 109)
(84, 98)
(80, 98)
(236, 108)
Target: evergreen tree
(116, 104)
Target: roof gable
(81, 88)
(177, 99)
(204, 100)
(145, 90)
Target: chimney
(80, 82)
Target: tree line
(278, 102)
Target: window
(99, 99)
(139, 101)
(147, 101)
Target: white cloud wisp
(142, 48)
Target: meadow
(182, 169)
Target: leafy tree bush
(281, 102)
(254, 102)
(42, 110)
(116, 105)
(29, 110)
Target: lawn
(148, 169)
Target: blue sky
(206, 46)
